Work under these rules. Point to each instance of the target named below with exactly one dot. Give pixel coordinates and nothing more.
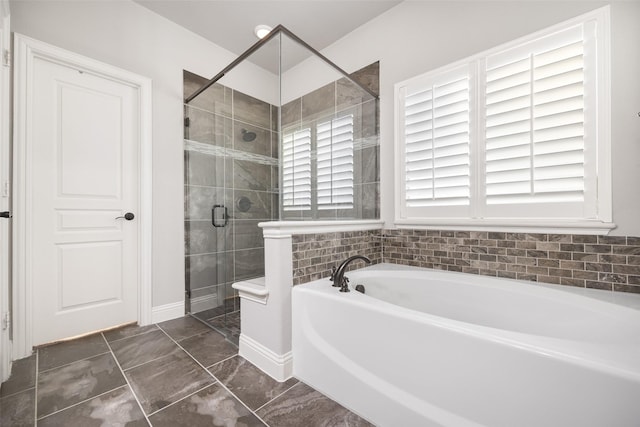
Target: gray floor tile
(66, 352)
(212, 406)
(183, 327)
(78, 381)
(23, 376)
(248, 383)
(143, 348)
(228, 323)
(116, 408)
(304, 406)
(167, 380)
(212, 312)
(128, 331)
(18, 410)
(209, 348)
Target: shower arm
(278, 29)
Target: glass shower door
(208, 238)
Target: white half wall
(127, 35)
(418, 36)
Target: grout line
(133, 393)
(298, 382)
(223, 360)
(71, 363)
(81, 402)
(190, 336)
(227, 251)
(131, 336)
(219, 382)
(18, 392)
(232, 116)
(180, 400)
(148, 361)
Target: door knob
(5, 214)
(128, 216)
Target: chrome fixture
(244, 204)
(337, 275)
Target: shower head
(248, 136)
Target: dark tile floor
(175, 373)
(228, 324)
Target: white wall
(417, 36)
(127, 35)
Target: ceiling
(230, 23)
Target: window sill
(509, 225)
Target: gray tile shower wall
(315, 254)
(231, 159)
(601, 262)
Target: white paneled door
(85, 140)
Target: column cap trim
(284, 229)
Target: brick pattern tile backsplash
(315, 254)
(600, 262)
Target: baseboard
(162, 313)
(204, 303)
(279, 367)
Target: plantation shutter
(516, 135)
(436, 134)
(296, 170)
(535, 137)
(335, 163)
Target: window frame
(600, 220)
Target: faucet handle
(345, 285)
(333, 273)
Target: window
(331, 145)
(517, 133)
(335, 163)
(296, 170)
(436, 121)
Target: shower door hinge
(186, 122)
(6, 321)
(187, 293)
(6, 58)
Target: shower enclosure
(280, 134)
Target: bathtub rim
(620, 299)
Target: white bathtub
(428, 348)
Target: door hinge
(187, 292)
(187, 122)
(5, 189)
(6, 321)
(6, 58)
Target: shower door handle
(219, 216)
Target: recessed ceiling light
(261, 31)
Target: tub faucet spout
(339, 278)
